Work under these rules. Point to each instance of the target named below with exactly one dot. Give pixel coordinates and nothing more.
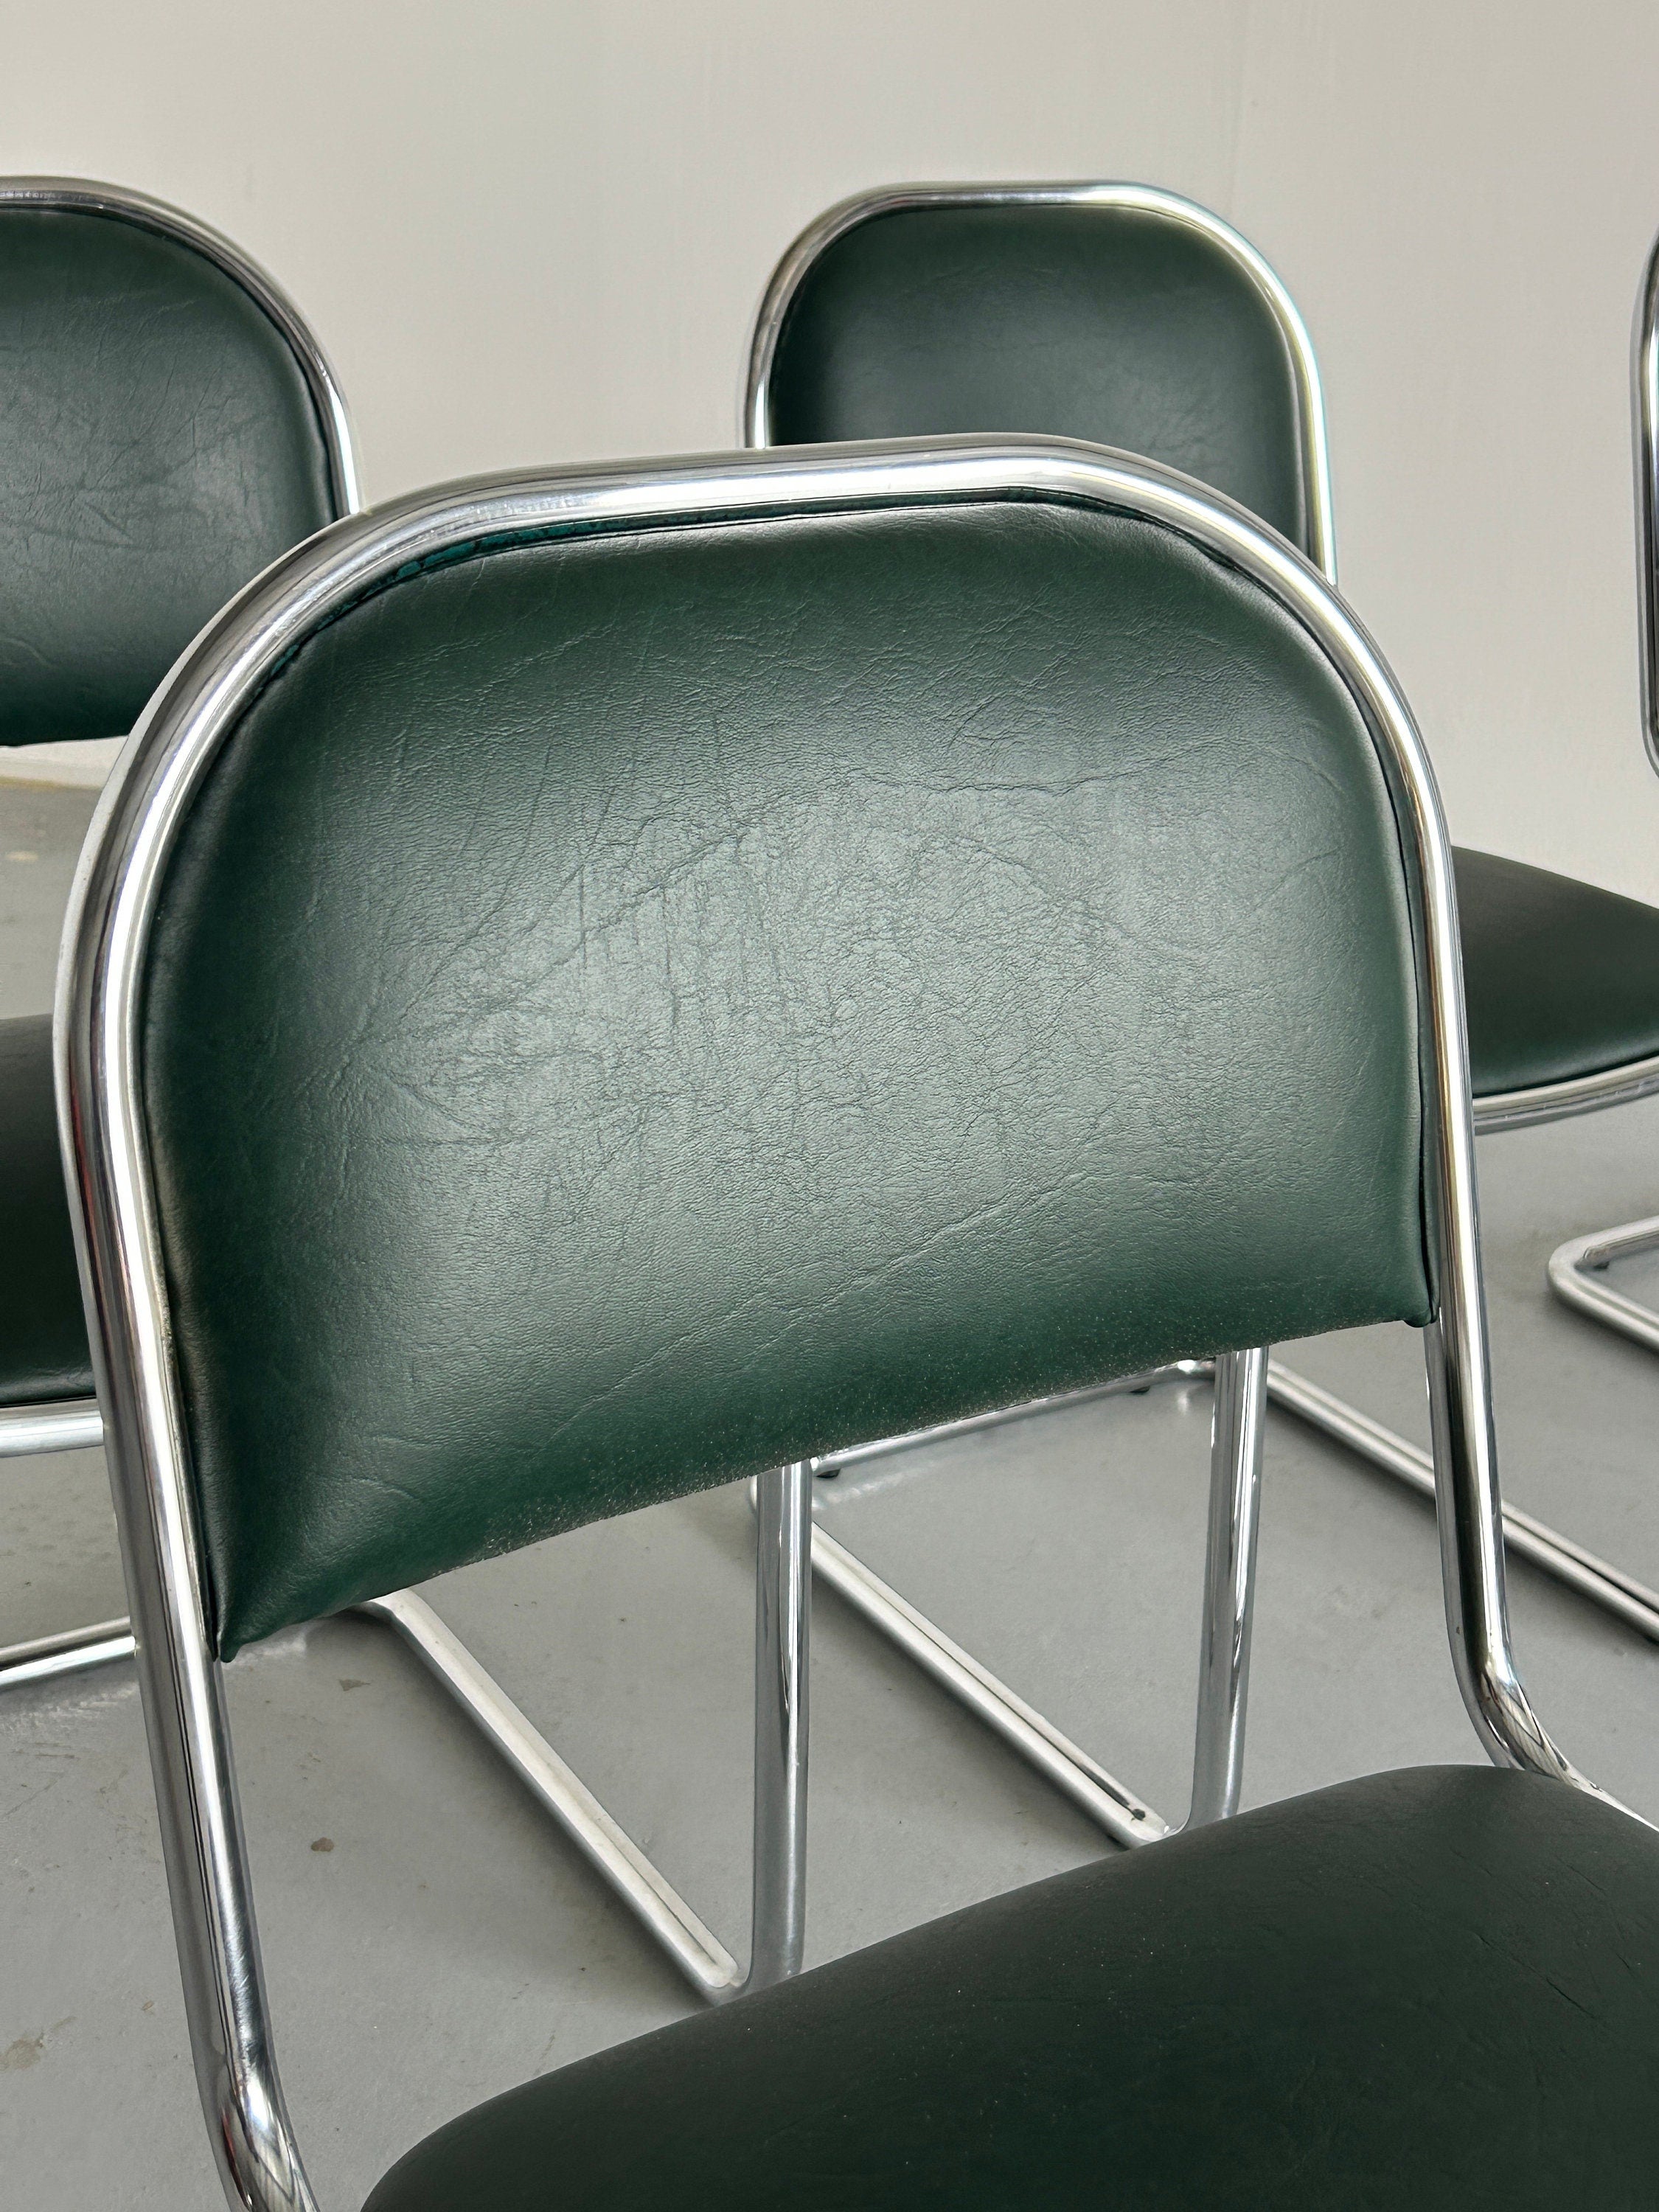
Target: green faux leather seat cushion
(1119, 325)
(43, 1333)
(629, 1010)
(158, 448)
(1562, 978)
(1432, 1989)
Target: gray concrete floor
(429, 1942)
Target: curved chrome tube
(1223, 1657)
(77, 1425)
(783, 1600)
(84, 196)
(106, 1152)
(1572, 1266)
(754, 406)
(1644, 379)
(1099, 1797)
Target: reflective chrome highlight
(1542, 1546)
(1574, 1267)
(59, 1424)
(1558, 1101)
(944, 1431)
(783, 1616)
(1230, 1568)
(1224, 1672)
(101, 989)
(1099, 1796)
(783, 1610)
(1644, 423)
(44, 1658)
(80, 195)
(754, 419)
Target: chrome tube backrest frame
(1637, 1078)
(106, 1144)
(754, 419)
(1644, 429)
(84, 196)
(1514, 1109)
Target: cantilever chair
(1578, 1269)
(168, 425)
(694, 1137)
(1133, 319)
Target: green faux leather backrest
(1120, 325)
(625, 1011)
(158, 446)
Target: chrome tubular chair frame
(1229, 1586)
(1236, 1448)
(781, 1605)
(754, 409)
(77, 195)
(107, 1157)
(1576, 1267)
(75, 1423)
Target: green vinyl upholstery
(43, 1333)
(1436, 1989)
(1562, 978)
(625, 1011)
(1116, 325)
(158, 446)
(1127, 327)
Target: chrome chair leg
(1575, 1266)
(783, 1622)
(1580, 1570)
(782, 1638)
(782, 1644)
(1230, 1573)
(1224, 1674)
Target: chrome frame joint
(1576, 1266)
(782, 1637)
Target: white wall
(536, 231)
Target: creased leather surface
(1563, 978)
(629, 1013)
(1433, 1990)
(158, 448)
(42, 1334)
(1121, 327)
(1101, 323)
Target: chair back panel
(626, 1011)
(1121, 324)
(158, 446)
